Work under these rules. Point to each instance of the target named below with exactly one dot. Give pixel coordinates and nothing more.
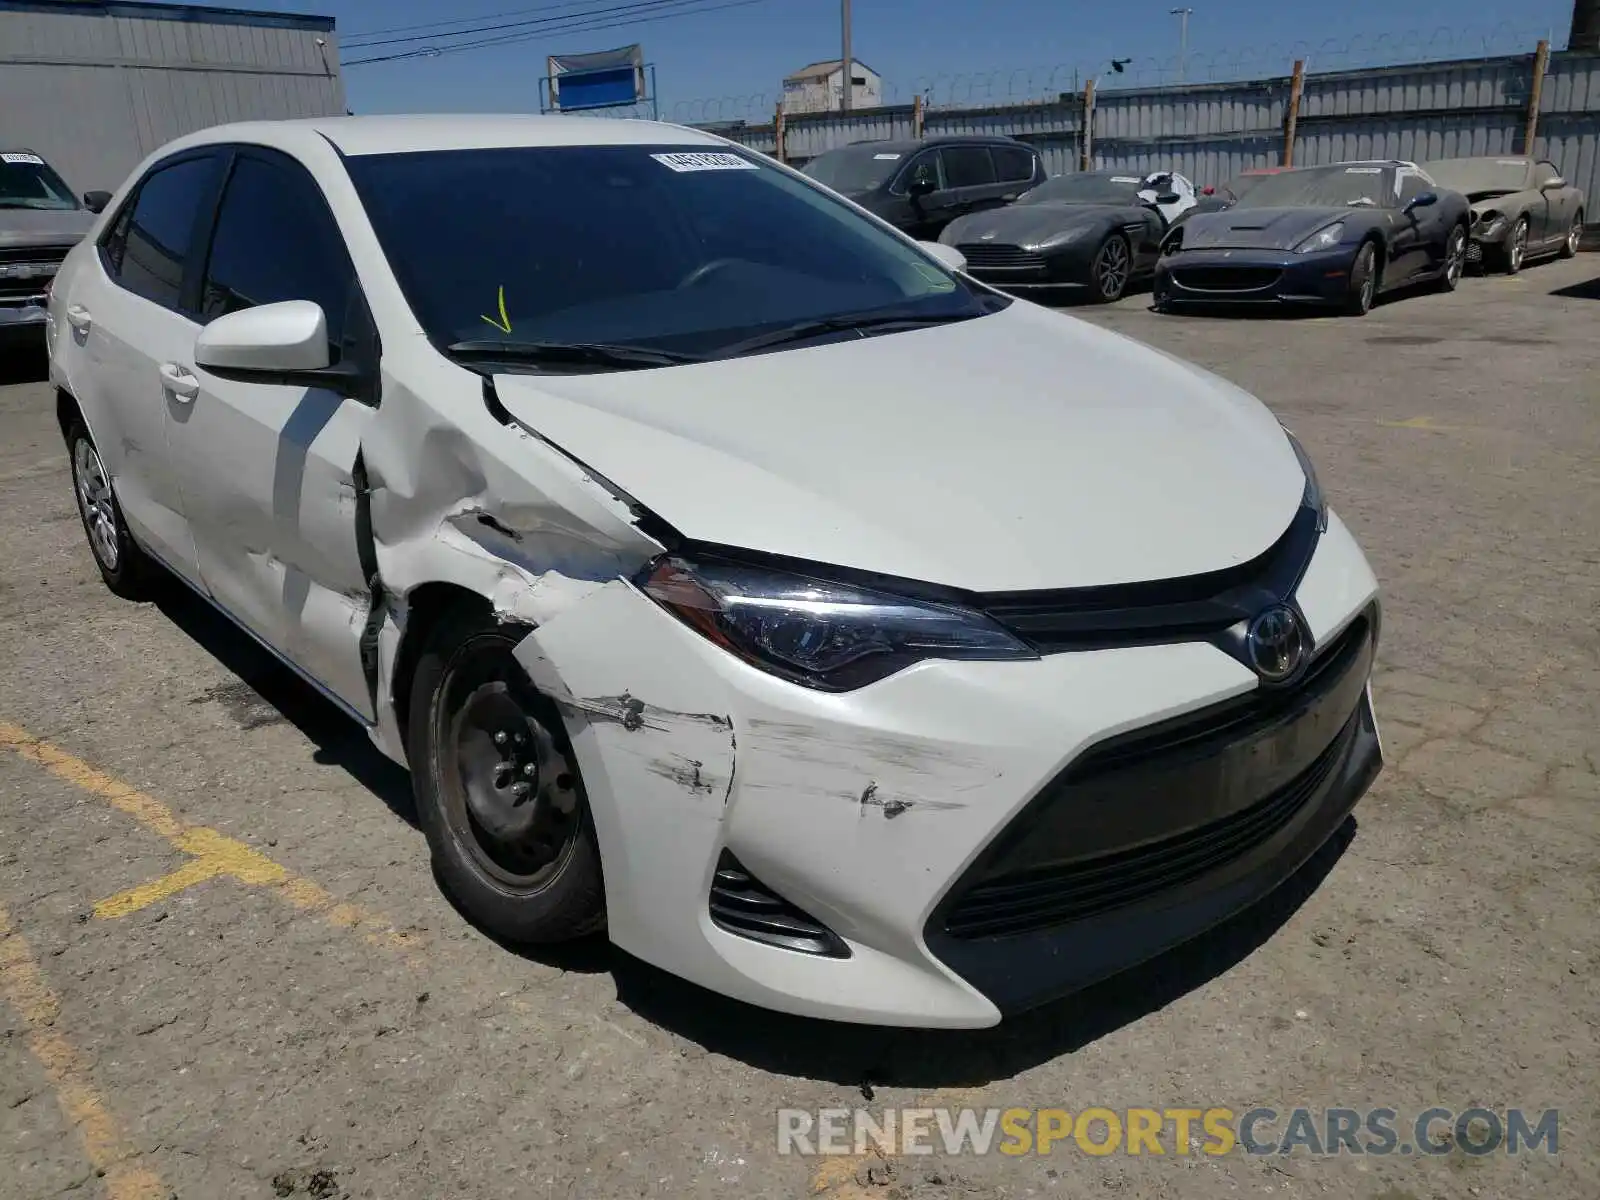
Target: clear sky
(743, 50)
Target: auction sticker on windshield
(1363, 170)
(704, 161)
(34, 159)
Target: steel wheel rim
(1455, 256)
(1111, 268)
(1519, 244)
(510, 794)
(96, 504)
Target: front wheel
(498, 791)
(1455, 259)
(1514, 252)
(1363, 281)
(1569, 248)
(1111, 270)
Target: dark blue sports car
(1339, 235)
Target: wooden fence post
(1087, 162)
(1291, 120)
(778, 131)
(1541, 61)
(916, 117)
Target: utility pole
(1183, 38)
(846, 64)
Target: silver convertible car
(1521, 208)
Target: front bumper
(1018, 268)
(869, 812)
(1253, 277)
(22, 321)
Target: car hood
(1020, 450)
(1503, 202)
(1258, 228)
(44, 226)
(1030, 224)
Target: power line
(584, 24)
(380, 37)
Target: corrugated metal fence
(1210, 132)
(95, 86)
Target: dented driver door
(268, 473)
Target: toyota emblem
(1276, 643)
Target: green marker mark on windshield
(504, 323)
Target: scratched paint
(124, 1174)
(211, 855)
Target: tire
(525, 868)
(1513, 253)
(127, 570)
(1363, 281)
(1455, 259)
(1569, 248)
(1111, 270)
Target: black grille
(993, 254)
(1041, 899)
(1186, 608)
(33, 254)
(1085, 845)
(1226, 279)
(742, 904)
(1474, 252)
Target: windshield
(1470, 175)
(26, 182)
(1323, 187)
(670, 248)
(854, 168)
(1086, 187)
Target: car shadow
(267, 690)
(1589, 289)
(868, 1056)
(24, 364)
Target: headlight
(1490, 225)
(1067, 235)
(820, 634)
(1313, 497)
(1323, 239)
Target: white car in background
(838, 633)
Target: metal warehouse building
(95, 85)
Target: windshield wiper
(599, 354)
(802, 330)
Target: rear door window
(151, 255)
(1013, 164)
(967, 166)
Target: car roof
(358, 136)
(906, 145)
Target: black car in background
(921, 186)
(1338, 235)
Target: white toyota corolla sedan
(731, 572)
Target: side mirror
(921, 185)
(96, 201)
(1551, 184)
(274, 339)
(1422, 201)
(947, 256)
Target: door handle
(179, 382)
(78, 317)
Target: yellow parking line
(211, 854)
(23, 987)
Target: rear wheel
(1455, 259)
(126, 569)
(498, 791)
(1569, 248)
(1111, 270)
(1363, 281)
